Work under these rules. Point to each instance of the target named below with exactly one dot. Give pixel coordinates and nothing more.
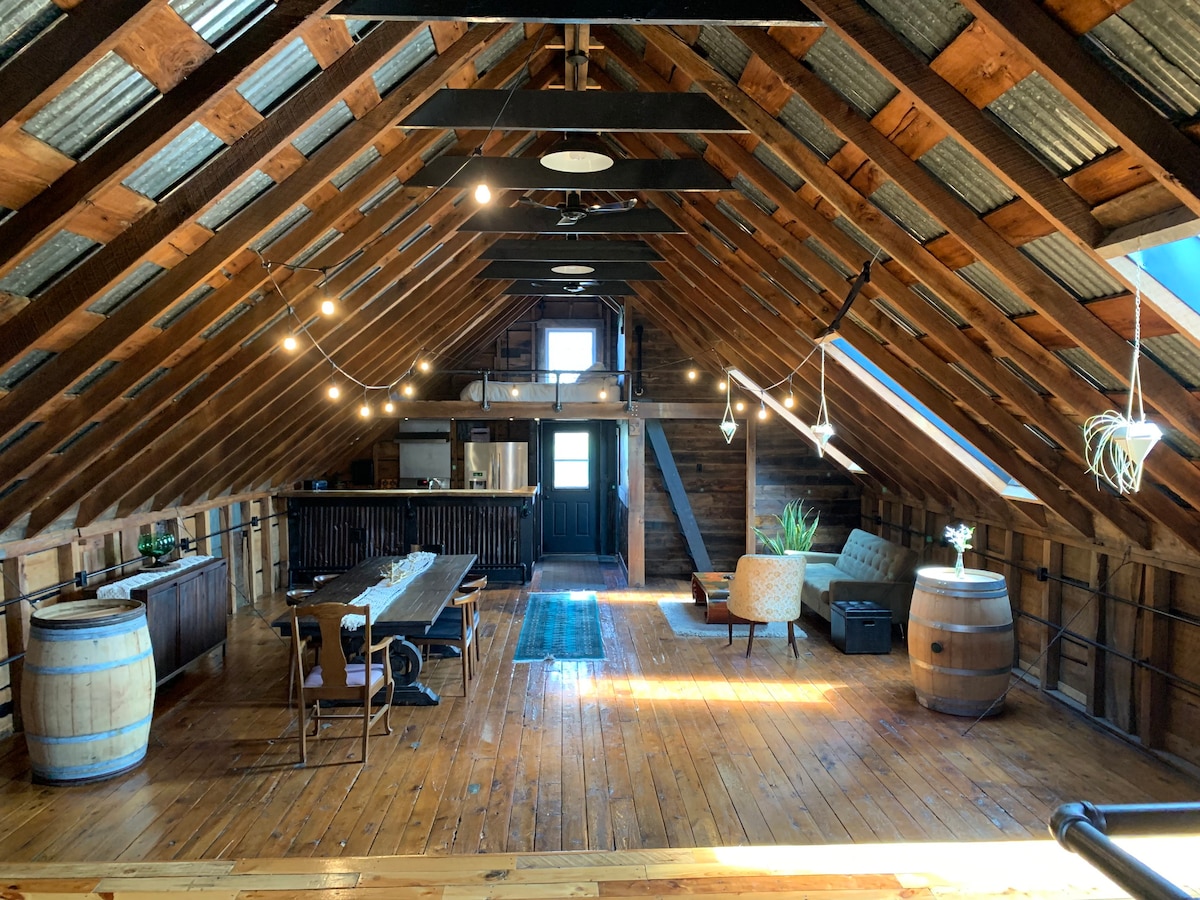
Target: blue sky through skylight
(887, 381)
(1176, 266)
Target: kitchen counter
(332, 531)
(415, 492)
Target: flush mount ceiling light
(572, 269)
(578, 154)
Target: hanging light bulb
(722, 385)
(692, 374)
(728, 424)
(389, 407)
(483, 193)
(408, 390)
(740, 406)
(603, 394)
(334, 391)
(327, 307)
(515, 391)
(289, 343)
(423, 365)
(790, 400)
(365, 410)
(762, 408)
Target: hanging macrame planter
(728, 424)
(1115, 445)
(822, 429)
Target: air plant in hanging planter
(822, 429)
(1116, 445)
(728, 423)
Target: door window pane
(572, 454)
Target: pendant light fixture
(578, 154)
(822, 429)
(728, 424)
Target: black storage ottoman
(860, 626)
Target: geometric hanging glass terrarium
(728, 424)
(1116, 445)
(822, 429)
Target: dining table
(410, 614)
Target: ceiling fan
(573, 210)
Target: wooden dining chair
(335, 679)
(479, 583)
(455, 627)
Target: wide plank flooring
(669, 742)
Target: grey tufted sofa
(868, 568)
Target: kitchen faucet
(431, 483)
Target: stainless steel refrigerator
(496, 465)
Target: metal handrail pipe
(1081, 828)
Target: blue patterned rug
(560, 625)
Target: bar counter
(332, 531)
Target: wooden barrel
(960, 641)
(88, 690)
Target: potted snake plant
(797, 528)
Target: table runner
(119, 590)
(380, 596)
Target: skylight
(924, 420)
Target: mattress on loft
(535, 392)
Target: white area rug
(687, 620)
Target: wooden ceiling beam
(184, 425)
(1172, 470)
(993, 148)
(1034, 478)
(42, 217)
(1017, 270)
(1148, 136)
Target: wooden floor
(669, 742)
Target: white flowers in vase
(959, 537)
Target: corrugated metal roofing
(791, 266)
(744, 186)
(17, 436)
(741, 221)
(724, 50)
(939, 304)
(438, 147)
(901, 207)
(195, 383)
(845, 225)
(389, 187)
(1066, 263)
(84, 383)
(989, 284)
(316, 134)
(146, 382)
(695, 141)
(46, 263)
(23, 20)
(804, 122)
(75, 438)
(970, 376)
(225, 321)
(782, 170)
(187, 152)
(829, 256)
(962, 173)
(396, 68)
(928, 25)
(1177, 355)
(632, 37)
(303, 257)
(849, 74)
(1088, 368)
(1157, 44)
(125, 288)
(498, 50)
(280, 228)
(229, 205)
(24, 367)
(352, 171)
(620, 74)
(279, 76)
(1181, 443)
(183, 306)
(213, 20)
(1047, 121)
(896, 316)
(93, 106)
(1032, 382)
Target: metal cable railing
(1084, 828)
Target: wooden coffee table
(711, 590)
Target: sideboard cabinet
(186, 614)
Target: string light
(365, 409)
(603, 394)
(408, 390)
(389, 406)
(762, 408)
(790, 400)
(740, 406)
(423, 365)
(289, 343)
(483, 194)
(327, 307)
(722, 385)
(692, 374)
(334, 391)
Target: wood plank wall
(257, 557)
(1121, 613)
